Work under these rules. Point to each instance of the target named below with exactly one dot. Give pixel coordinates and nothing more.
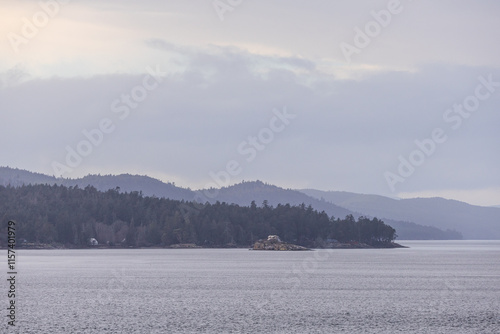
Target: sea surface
(431, 287)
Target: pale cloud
(223, 79)
(106, 37)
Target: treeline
(72, 216)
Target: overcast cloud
(271, 70)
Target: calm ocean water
(432, 287)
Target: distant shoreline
(353, 245)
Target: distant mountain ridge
(243, 194)
(475, 222)
(126, 182)
(17, 177)
(246, 192)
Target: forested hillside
(71, 216)
(241, 194)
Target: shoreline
(353, 245)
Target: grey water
(431, 287)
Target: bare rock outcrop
(277, 246)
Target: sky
(396, 98)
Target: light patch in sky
(223, 78)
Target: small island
(274, 242)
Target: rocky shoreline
(284, 246)
(360, 245)
(263, 244)
(277, 246)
